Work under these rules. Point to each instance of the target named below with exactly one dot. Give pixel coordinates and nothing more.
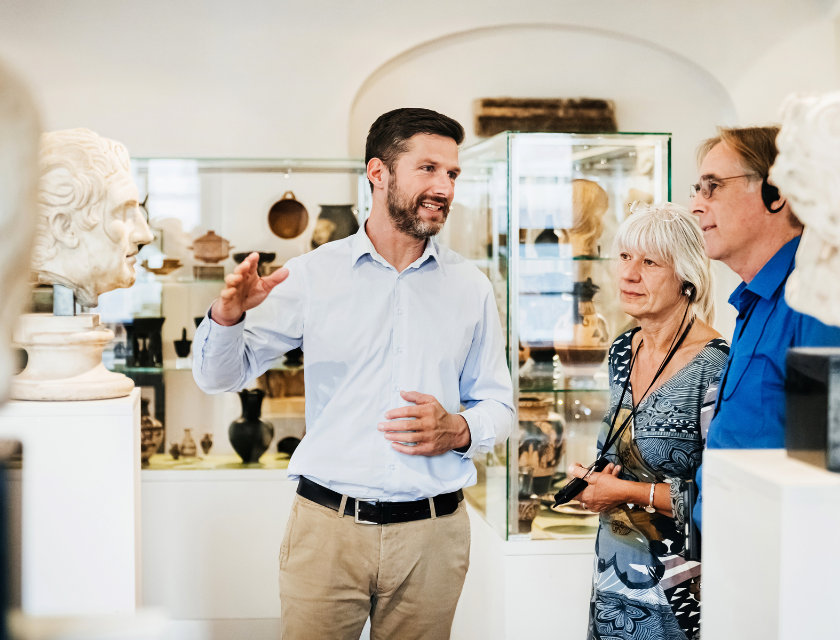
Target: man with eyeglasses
(751, 228)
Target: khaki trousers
(406, 577)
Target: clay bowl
(169, 265)
(287, 217)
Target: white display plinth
(80, 504)
(770, 552)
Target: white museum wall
(803, 61)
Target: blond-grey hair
(673, 234)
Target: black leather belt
(365, 512)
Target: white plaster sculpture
(807, 172)
(19, 131)
(90, 228)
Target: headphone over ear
(769, 194)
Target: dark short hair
(389, 135)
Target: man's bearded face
(406, 211)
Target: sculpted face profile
(589, 204)
(90, 225)
(807, 172)
(19, 132)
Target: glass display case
(538, 213)
(207, 215)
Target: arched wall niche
(653, 89)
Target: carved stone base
(65, 359)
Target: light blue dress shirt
(368, 332)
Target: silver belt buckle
(358, 520)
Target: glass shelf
(169, 365)
(165, 462)
(565, 258)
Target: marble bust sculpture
(807, 172)
(89, 230)
(19, 131)
(90, 225)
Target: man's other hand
(433, 430)
(244, 290)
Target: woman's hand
(605, 490)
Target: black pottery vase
(250, 436)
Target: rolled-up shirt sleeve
(228, 358)
(485, 386)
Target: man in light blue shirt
(398, 333)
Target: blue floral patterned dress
(643, 589)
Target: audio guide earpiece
(769, 194)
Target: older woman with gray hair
(662, 375)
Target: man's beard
(403, 211)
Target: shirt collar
(772, 274)
(363, 246)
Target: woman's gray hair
(673, 234)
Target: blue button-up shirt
(368, 332)
(751, 401)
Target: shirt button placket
(397, 336)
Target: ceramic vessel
(188, 448)
(540, 440)
(287, 217)
(250, 436)
(336, 221)
(206, 443)
(528, 510)
(175, 451)
(211, 248)
(182, 346)
(582, 337)
(266, 257)
(145, 340)
(151, 433)
(288, 445)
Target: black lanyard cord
(573, 488)
(611, 439)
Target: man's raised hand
(244, 290)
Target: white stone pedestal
(80, 504)
(65, 359)
(770, 547)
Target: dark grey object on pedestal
(812, 433)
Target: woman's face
(649, 287)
